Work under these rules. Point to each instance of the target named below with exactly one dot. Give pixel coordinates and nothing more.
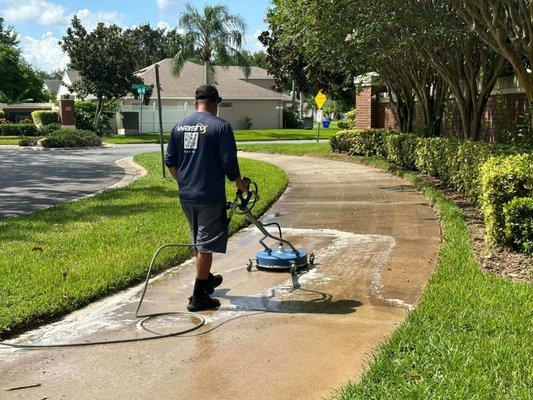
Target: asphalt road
(34, 179)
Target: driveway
(376, 240)
(34, 179)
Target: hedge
(44, 117)
(18, 130)
(72, 138)
(502, 180)
(401, 149)
(363, 142)
(458, 164)
(518, 230)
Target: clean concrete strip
(132, 172)
(376, 240)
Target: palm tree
(214, 31)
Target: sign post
(158, 87)
(320, 99)
(141, 90)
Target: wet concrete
(375, 240)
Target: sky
(40, 24)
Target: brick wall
(513, 105)
(385, 117)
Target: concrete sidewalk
(376, 241)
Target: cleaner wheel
(312, 258)
(292, 267)
(249, 265)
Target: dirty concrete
(376, 240)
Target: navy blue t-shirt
(203, 149)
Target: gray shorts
(207, 221)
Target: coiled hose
(242, 204)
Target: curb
(40, 148)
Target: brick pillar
(67, 114)
(365, 102)
(364, 107)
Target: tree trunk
(97, 113)
(207, 72)
(301, 110)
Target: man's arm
(174, 172)
(172, 156)
(228, 155)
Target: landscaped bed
(240, 135)
(470, 335)
(56, 260)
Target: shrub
(44, 117)
(401, 149)
(502, 179)
(364, 142)
(48, 129)
(85, 113)
(437, 157)
(72, 138)
(343, 125)
(291, 120)
(2, 114)
(28, 141)
(518, 217)
(18, 130)
(247, 123)
(25, 121)
(350, 118)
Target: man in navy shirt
(201, 152)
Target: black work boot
(200, 300)
(213, 281)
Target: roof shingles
(228, 83)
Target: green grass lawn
(471, 336)
(11, 140)
(59, 259)
(255, 134)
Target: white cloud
(41, 11)
(89, 19)
(44, 53)
(252, 42)
(163, 25)
(161, 4)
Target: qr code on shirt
(190, 140)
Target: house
(52, 85)
(243, 98)
(70, 76)
(22, 111)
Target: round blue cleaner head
(281, 259)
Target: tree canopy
(153, 44)
(8, 37)
(19, 83)
(507, 27)
(105, 60)
(422, 50)
(212, 33)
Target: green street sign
(140, 88)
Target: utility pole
(158, 87)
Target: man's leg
(203, 265)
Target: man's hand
(241, 184)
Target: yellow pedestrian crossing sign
(320, 99)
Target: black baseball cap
(208, 92)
